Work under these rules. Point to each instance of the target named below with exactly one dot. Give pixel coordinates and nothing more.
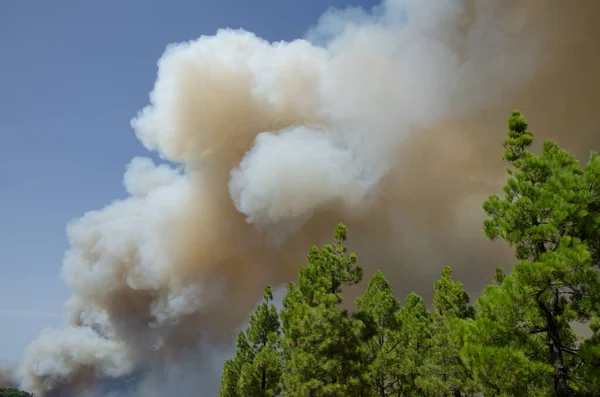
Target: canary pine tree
(233, 367)
(506, 357)
(443, 371)
(323, 354)
(256, 368)
(550, 215)
(414, 338)
(378, 308)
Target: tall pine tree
(443, 372)
(378, 308)
(506, 359)
(414, 338)
(257, 366)
(322, 342)
(550, 215)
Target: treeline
(517, 339)
(14, 393)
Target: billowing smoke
(389, 120)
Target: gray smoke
(8, 377)
(389, 120)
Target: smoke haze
(8, 377)
(390, 120)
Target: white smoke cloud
(369, 121)
(286, 177)
(143, 176)
(60, 356)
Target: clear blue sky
(72, 75)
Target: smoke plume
(8, 377)
(390, 120)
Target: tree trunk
(561, 388)
(560, 372)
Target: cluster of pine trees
(14, 393)
(517, 339)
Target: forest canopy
(516, 339)
(13, 393)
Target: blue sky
(72, 75)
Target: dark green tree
(414, 337)
(322, 342)
(443, 372)
(504, 358)
(257, 366)
(232, 370)
(14, 393)
(450, 298)
(378, 308)
(550, 215)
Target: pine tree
(450, 299)
(14, 393)
(550, 214)
(233, 367)
(414, 338)
(322, 342)
(257, 366)
(444, 372)
(504, 359)
(378, 308)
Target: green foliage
(516, 340)
(378, 309)
(256, 368)
(450, 299)
(14, 393)
(443, 371)
(498, 350)
(322, 342)
(550, 215)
